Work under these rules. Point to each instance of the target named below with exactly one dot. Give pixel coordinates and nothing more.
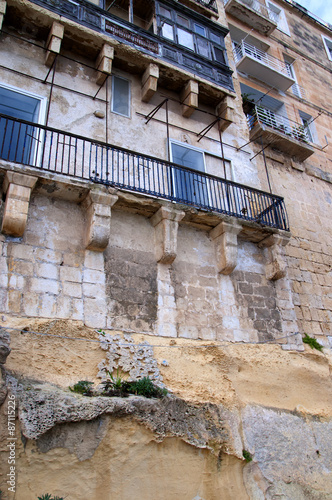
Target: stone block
(74, 259)
(93, 276)
(94, 260)
(77, 309)
(42, 285)
(31, 304)
(46, 270)
(72, 274)
(47, 308)
(72, 289)
(16, 281)
(92, 290)
(63, 307)
(47, 255)
(14, 301)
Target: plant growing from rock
(83, 387)
(312, 342)
(47, 496)
(247, 456)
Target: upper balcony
(48, 151)
(197, 46)
(266, 68)
(272, 128)
(253, 13)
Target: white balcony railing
(244, 49)
(259, 8)
(298, 91)
(278, 122)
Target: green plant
(83, 387)
(247, 455)
(47, 496)
(145, 387)
(312, 342)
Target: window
(188, 186)
(18, 141)
(282, 22)
(187, 32)
(328, 47)
(120, 96)
(309, 126)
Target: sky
(322, 8)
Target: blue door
(18, 140)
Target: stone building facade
(166, 178)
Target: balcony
(146, 43)
(288, 136)
(49, 150)
(253, 13)
(263, 66)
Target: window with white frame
(19, 141)
(282, 21)
(120, 102)
(309, 126)
(192, 187)
(328, 46)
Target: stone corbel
(53, 43)
(225, 238)
(3, 5)
(98, 209)
(104, 63)
(149, 82)
(225, 110)
(18, 189)
(276, 264)
(165, 223)
(189, 98)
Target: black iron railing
(53, 150)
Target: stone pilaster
(98, 209)
(166, 222)
(225, 238)
(276, 264)
(53, 43)
(149, 82)
(18, 189)
(104, 63)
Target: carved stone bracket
(98, 208)
(104, 63)
(225, 238)
(53, 43)
(276, 265)
(18, 189)
(166, 222)
(3, 5)
(225, 110)
(149, 82)
(189, 98)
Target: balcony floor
(293, 147)
(242, 11)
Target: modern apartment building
(166, 178)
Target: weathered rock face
(4, 352)
(273, 404)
